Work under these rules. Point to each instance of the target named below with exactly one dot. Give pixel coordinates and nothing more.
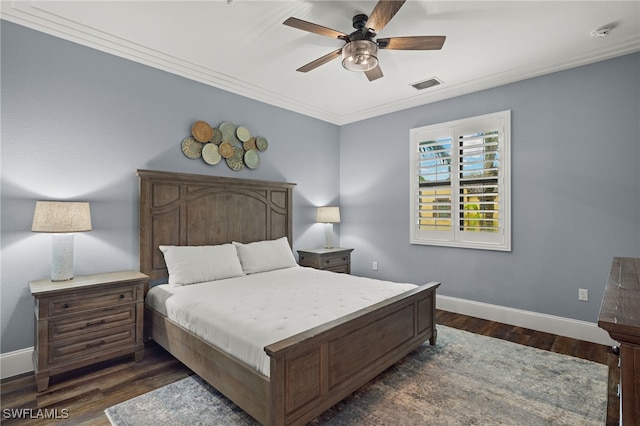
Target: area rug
(466, 379)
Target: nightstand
(88, 319)
(335, 259)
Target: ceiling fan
(360, 50)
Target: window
(460, 183)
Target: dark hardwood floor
(82, 395)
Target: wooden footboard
(313, 370)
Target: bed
(309, 371)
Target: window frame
(453, 131)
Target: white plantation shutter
(434, 196)
(460, 192)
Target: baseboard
(567, 327)
(16, 362)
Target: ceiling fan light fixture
(360, 55)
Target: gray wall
(77, 124)
(575, 191)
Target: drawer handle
(89, 324)
(66, 305)
(100, 343)
(122, 296)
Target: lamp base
(62, 257)
(328, 236)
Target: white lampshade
(62, 219)
(328, 215)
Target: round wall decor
(191, 148)
(233, 143)
(210, 154)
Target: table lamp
(62, 219)
(328, 215)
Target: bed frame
(309, 372)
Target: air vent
(427, 83)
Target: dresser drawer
(343, 269)
(90, 322)
(82, 347)
(332, 262)
(106, 297)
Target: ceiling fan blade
(313, 28)
(320, 61)
(374, 73)
(412, 43)
(382, 14)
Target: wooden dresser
(88, 319)
(620, 317)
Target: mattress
(242, 315)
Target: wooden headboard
(187, 209)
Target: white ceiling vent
(425, 84)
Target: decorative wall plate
(210, 154)
(250, 144)
(243, 134)
(201, 131)
(235, 162)
(225, 149)
(261, 143)
(252, 158)
(229, 133)
(191, 148)
(216, 137)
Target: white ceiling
(241, 46)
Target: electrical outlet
(375, 266)
(583, 294)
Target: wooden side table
(88, 319)
(335, 259)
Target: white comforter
(243, 315)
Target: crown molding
(27, 14)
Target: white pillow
(263, 256)
(196, 264)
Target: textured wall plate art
(233, 144)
